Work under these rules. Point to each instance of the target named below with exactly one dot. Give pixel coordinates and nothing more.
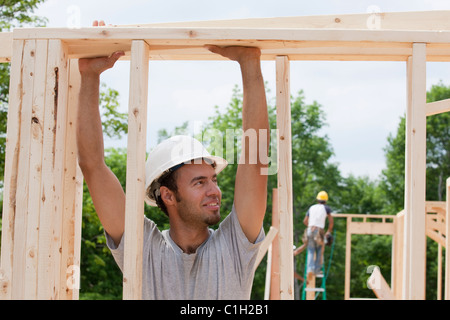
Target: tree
(437, 162)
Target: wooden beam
(285, 235)
(415, 238)
(437, 107)
(134, 214)
(265, 245)
(355, 44)
(371, 228)
(6, 46)
(419, 20)
(380, 287)
(183, 35)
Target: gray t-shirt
(220, 269)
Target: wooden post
(397, 255)
(285, 234)
(348, 252)
(41, 185)
(311, 285)
(447, 242)
(73, 196)
(415, 239)
(52, 186)
(275, 255)
(134, 210)
(10, 178)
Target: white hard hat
(173, 152)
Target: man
(315, 220)
(190, 260)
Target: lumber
(181, 43)
(52, 191)
(6, 46)
(419, 20)
(275, 252)
(11, 166)
(415, 251)
(438, 107)
(285, 235)
(380, 287)
(73, 196)
(265, 245)
(447, 242)
(135, 186)
(23, 176)
(35, 165)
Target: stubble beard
(190, 214)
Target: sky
(363, 101)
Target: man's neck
(188, 240)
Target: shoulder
(231, 229)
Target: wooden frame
(38, 245)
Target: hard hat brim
(220, 163)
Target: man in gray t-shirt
(188, 261)
(221, 267)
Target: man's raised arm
(104, 187)
(250, 198)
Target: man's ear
(167, 196)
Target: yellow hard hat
(322, 196)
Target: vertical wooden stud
(415, 238)
(285, 236)
(275, 255)
(134, 209)
(11, 166)
(73, 196)
(348, 253)
(447, 243)
(35, 166)
(52, 186)
(23, 187)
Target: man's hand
(236, 53)
(95, 66)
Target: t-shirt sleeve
(118, 251)
(242, 252)
(328, 209)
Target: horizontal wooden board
(333, 37)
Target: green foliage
(19, 13)
(114, 123)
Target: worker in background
(315, 235)
(190, 260)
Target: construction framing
(43, 185)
